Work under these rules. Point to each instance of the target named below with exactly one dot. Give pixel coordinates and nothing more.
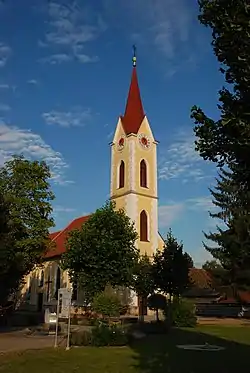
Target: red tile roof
(134, 112)
(59, 238)
(243, 296)
(200, 278)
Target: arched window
(41, 283)
(143, 174)
(143, 226)
(121, 174)
(74, 291)
(58, 281)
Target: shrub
(183, 313)
(100, 335)
(81, 338)
(109, 335)
(108, 305)
(157, 302)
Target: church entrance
(40, 302)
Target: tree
(143, 283)
(25, 207)
(171, 269)
(211, 265)
(102, 252)
(157, 302)
(226, 141)
(189, 260)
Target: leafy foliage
(103, 251)
(109, 335)
(143, 282)
(183, 313)
(226, 141)
(25, 220)
(101, 335)
(107, 305)
(157, 302)
(171, 267)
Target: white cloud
(76, 117)
(182, 160)
(162, 23)
(5, 52)
(55, 59)
(32, 81)
(69, 30)
(201, 203)
(4, 86)
(58, 209)
(4, 107)
(168, 213)
(84, 58)
(14, 140)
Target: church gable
(146, 129)
(59, 239)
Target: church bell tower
(134, 169)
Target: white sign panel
(64, 298)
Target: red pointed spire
(134, 112)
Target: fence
(220, 310)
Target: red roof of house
(134, 112)
(59, 238)
(200, 278)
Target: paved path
(18, 342)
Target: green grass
(155, 354)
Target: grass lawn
(154, 354)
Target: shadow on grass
(158, 354)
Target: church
(133, 187)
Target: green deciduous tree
(25, 220)
(143, 283)
(171, 267)
(226, 141)
(103, 251)
(157, 302)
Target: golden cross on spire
(134, 56)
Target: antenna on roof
(134, 56)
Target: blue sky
(65, 69)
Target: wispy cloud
(4, 86)
(201, 203)
(32, 81)
(69, 30)
(63, 209)
(4, 107)
(169, 213)
(164, 24)
(55, 59)
(173, 210)
(5, 52)
(181, 160)
(14, 140)
(75, 117)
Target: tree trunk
(157, 315)
(169, 318)
(141, 308)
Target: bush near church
(183, 313)
(102, 334)
(106, 305)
